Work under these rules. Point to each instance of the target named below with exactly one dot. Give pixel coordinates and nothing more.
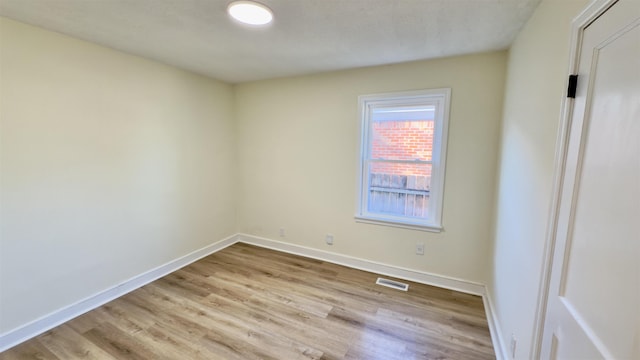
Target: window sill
(410, 226)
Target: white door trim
(579, 24)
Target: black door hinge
(573, 85)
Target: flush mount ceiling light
(249, 12)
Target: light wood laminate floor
(246, 302)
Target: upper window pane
(402, 139)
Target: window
(402, 157)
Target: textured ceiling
(307, 36)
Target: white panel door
(593, 306)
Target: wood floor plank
(246, 302)
(272, 318)
(65, 343)
(30, 350)
(120, 344)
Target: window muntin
(401, 173)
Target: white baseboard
(446, 282)
(499, 344)
(47, 322)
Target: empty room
(319, 179)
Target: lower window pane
(400, 189)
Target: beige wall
(298, 156)
(536, 78)
(111, 165)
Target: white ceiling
(307, 36)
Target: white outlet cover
(329, 239)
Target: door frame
(578, 26)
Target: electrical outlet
(329, 239)
(514, 343)
(419, 248)
(282, 233)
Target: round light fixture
(250, 12)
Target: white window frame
(441, 98)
